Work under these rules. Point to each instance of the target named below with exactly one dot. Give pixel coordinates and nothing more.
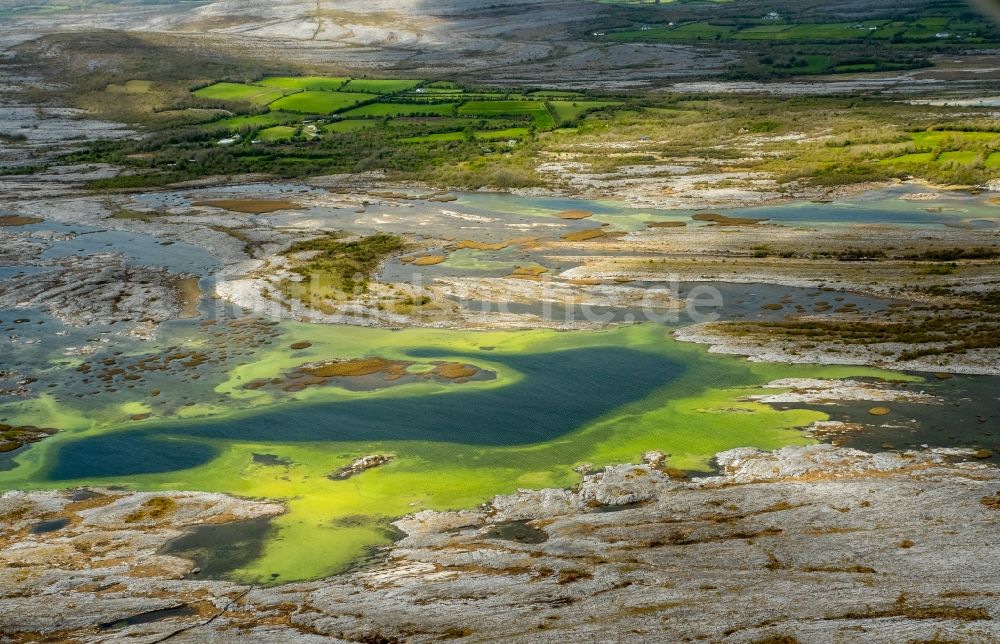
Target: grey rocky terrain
(510, 41)
(97, 289)
(819, 543)
(507, 42)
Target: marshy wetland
(269, 404)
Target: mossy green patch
(317, 83)
(256, 120)
(402, 109)
(536, 110)
(572, 110)
(310, 102)
(239, 92)
(380, 86)
(277, 133)
(350, 125)
(331, 524)
(336, 268)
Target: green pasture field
(403, 109)
(380, 86)
(239, 92)
(919, 30)
(496, 95)
(926, 28)
(964, 157)
(437, 92)
(936, 138)
(685, 32)
(889, 30)
(553, 93)
(871, 144)
(277, 133)
(814, 64)
(318, 83)
(339, 127)
(440, 87)
(572, 110)
(490, 109)
(931, 142)
(320, 102)
(814, 31)
(762, 32)
(257, 120)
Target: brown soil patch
(529, 272)
(575, 214)
(665, 224)
(358, 367)
(314, 374)
(428, 260)
(879, 411)
(18, 220)
(155, 508)
(189, 297)
(584, 235)
(724, 220)
(251, 206)
(388, 194)
(97, 501)
(476, 245)
(297, 346)
(454, 370)
(992, 502)
(12, 438)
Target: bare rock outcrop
(815, 543)
(98, 289)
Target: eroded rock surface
(816, 390)
(97, 289)
(818, 543)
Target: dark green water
(967, 416)
(221, 548)
(558, 393)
